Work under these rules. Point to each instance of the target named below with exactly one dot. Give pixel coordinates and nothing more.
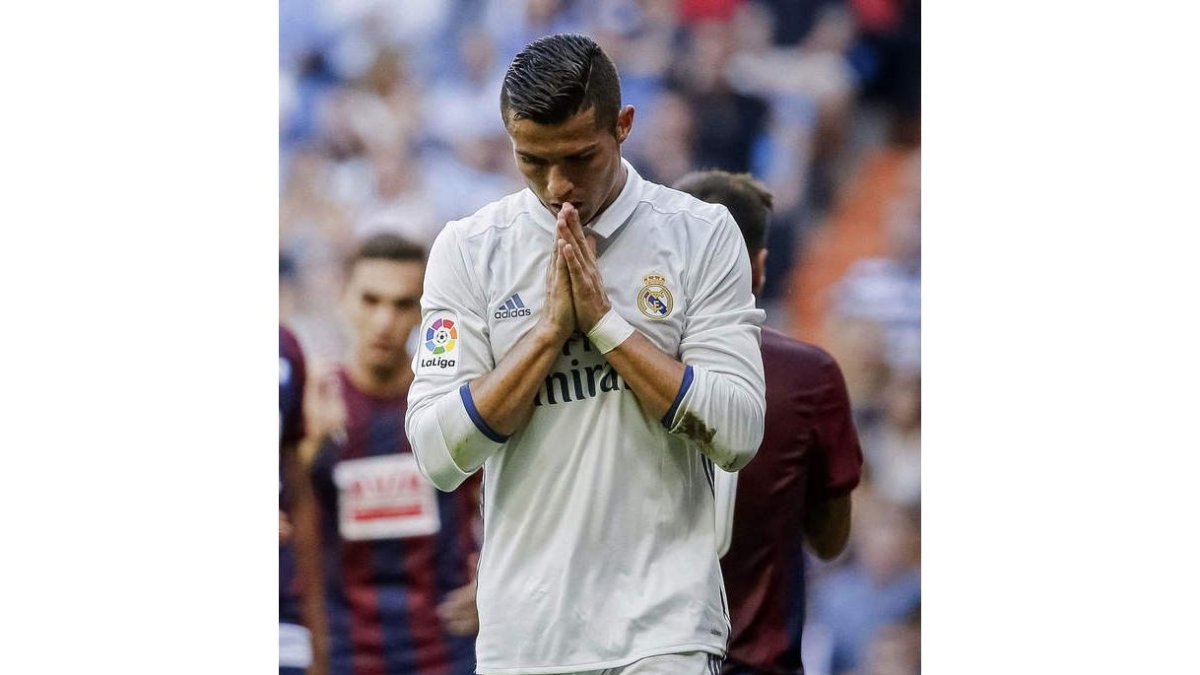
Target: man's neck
(613, 194)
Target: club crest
(654, 300)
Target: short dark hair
(386, 246)
(557, 76)
(748, 200)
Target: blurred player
(397, 555)
(597, 375)
(801, 478)
(297, 552)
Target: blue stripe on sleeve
(683, 389)
(465, 392)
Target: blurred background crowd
(389, 121)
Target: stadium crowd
(390, 123)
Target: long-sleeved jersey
(599, 547)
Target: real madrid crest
(654, 300)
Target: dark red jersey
(810, 453)
(392, 547)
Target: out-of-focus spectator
(516, 23)
(893, 443)
(887, 58)
(887, 290)
(895, 649)
(400, 202)
(641, 36)
(666, 154)
(466, 147)
(464, 106)
(881, 584)
(859, 345)
(810, 86)
(363, 28)
(729, 124)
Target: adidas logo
(512, 308)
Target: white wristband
(609, 332)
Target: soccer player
(298, 609)
(801, 478)
(397, 555)
(592, 343)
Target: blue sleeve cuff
(683, 389)
(468, 402)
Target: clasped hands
(575, 297)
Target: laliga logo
(440, 339)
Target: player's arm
(504, 397)
(460, 415)
(836, 468)
(714, 393)
(303, 516)
(306, 542)
(827, 526)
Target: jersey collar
(622, 207)
(613, 217)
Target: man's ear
(624, 123)
(758, 270)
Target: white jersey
(599, 547)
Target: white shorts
(295, 646)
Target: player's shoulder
(695, 213)
(783, 353)
(500, 214)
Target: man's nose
(558, 185)
(382, 317)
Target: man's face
(383, 305)
(572, 162)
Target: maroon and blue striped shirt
(392, 547)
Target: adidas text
(511, 313)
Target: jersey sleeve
(721, 403)
(838, 461)
(448, 437)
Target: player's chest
(643, 282)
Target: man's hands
(586, 287)
(575, 300)
(558, 313)
(575, 297)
